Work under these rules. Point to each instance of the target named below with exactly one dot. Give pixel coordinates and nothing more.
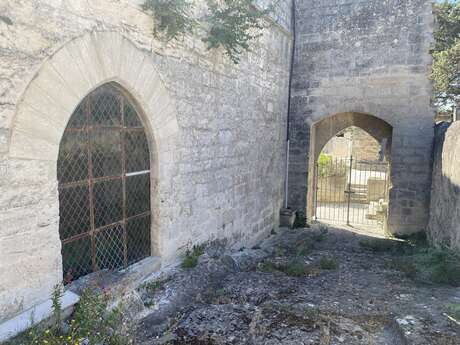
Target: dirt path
(300, 287)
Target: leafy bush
(326, 167)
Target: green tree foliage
(446, 54)
(172, 18)
(228, 24)
(232, 24)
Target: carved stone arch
(327, 127)
(75, 70)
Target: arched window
(104, 185)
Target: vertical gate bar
(341, 204)
(334, 195)
(328, 186)
(123, 181)
(89, 128)
(321, 192)
(349, 191)
(315, 216)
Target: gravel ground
(305, 286)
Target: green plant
(328, 264)
(405, 266)
(435, 265)
(172, 18)
(304, 247)
(446, 54)
(56, 306)
(153, 286)
(295, 268)
(327, 168)
(190, 259)
(453, 310)
(381, 244)
(230, 24)
(267, 266)
(91, 323)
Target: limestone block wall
(444, 225)
(218, 130)
(368, 57)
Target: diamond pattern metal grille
(138, 229)
(75, 211)
(104, 186)
(109, 248)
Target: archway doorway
(352, 180)
(349, 171)
(104, 185)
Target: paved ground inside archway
(258, 296)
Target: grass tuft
(328, 264)
(190, 259)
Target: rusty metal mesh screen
(104, 186)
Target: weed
(440, 266)
(328, 264)
(91, 323)
(280, 251)
(322, 236)
(304, 247)
(405, 266)
(453, 310)
(191, 256)
(57, 307)
(295, 268)
(216, 248)
(267, 266)
(153, 286)
(381, 244)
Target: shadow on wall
(444, 224)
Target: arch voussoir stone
(57, 89)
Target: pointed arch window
(104, 185)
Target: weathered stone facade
(366, 58)
(217, 130)
(444, 225)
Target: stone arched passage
(74, 71)
(322, 131)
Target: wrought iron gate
(351, 191)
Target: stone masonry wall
(369, 57)
(354, 142)
(219, 129)
(444, 225)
